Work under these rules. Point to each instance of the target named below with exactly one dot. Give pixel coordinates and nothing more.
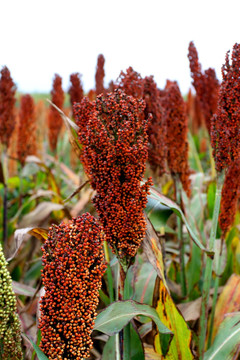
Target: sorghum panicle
(76, 89)
(230, 197)
(73, 266)
(177, 128)
(10, 332)
(26, 144)
(206, 85)
(54, 118)
(113, 133)
(7, 102)
(225, 134)
(157, 129)
(91, 95)
(131, 83)
(99, 76)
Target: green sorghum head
(10, 333)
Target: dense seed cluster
(177, 128)
(114, 138)
(54, 118)
(73, 266)
(76, 89)
(131, 83)
(206, 85)
(230, 197)
(157, 149)
(225, 134)
(10, 333)
(26, 144)
(99, 76)
(7, 102)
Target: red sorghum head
(76, 90)
(113, 134)
(225, 134)
(157, 129)
(177, 128)
(26, 144)
(54, 118)
(230, 197)
(7, 102)
(131, 83)
(99, 76)
(73, 266)
(206, 85)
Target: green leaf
(177, 210)
(153, 250)
(227, 339)
(211, 198)
(117, 315)
(40, 354)
(137, 352)
(34, 272)
(109, 350)
(157, 213)
(180, 346)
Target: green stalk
(109, 273)
(5, 177)
(126, 330)
(216, 285)
(208, 268)
(124, 295)
(195, 152)
(180, 239)
(117, 336)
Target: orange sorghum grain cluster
(76, 89)
(230, 197)
(113, 133)
(177, 128)
(157, 149)
(54, 118)
(73, 266)
(206, 85)
(225, 134)
(99, 76)
(7, 102)
(26, 144)
(131, 83)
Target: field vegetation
(119, 218)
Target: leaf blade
(117, 315)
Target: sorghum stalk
(181, 241)
(10, 332)
(208, 268)
(216, 285)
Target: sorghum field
(120, 218)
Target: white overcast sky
(39, 38)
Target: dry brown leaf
(40, 213)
